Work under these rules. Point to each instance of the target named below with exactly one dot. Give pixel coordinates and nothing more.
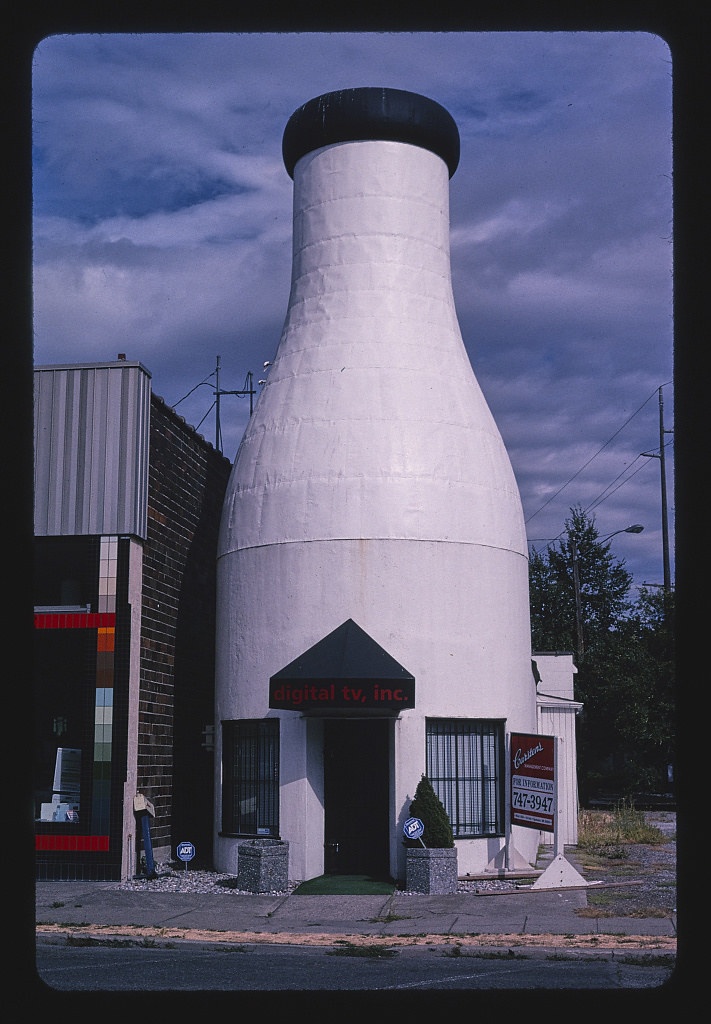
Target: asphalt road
(194, 967)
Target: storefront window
(75, 612)
(250, 788)
(466, 769)
(65, 804)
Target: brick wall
(187, 481)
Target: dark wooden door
(356, 765)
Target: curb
(148, 935)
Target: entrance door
(356, 785)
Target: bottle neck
(371, 232)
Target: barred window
(466, 769)
(250, 777)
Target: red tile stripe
(91, 844)
(74, 620)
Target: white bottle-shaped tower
(371, 487)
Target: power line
(248, 389)
(194, 389)
(604, 496)
(592, 457)
(607, 493)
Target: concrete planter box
(431, 871)
(263, 865)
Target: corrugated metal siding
(560, 722)
(91, 438)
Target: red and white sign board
(533, 783)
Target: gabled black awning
(346, 669)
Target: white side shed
(557, 710)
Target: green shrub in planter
(427, 806)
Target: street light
(636, 528)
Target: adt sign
(185, 851)
(413, 828)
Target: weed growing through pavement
(389, 918)
(647, 960)
(91, 940)
(373, 951)
(66, 924)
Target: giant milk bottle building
(373, 608)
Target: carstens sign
(533, 787)
(321, 694)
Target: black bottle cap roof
(350, 115)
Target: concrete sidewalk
(532, 917)
(526, 915)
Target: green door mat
(345, 885)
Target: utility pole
(248, 389)
(663, 474)
(578, 604)
(217, 404)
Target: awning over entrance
(345, 670)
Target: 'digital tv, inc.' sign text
(310, 695)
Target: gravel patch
(643, 883)
(178, 880)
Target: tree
(646, 720)
(625, 662)
(598, 601)
(427, 806)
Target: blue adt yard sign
(186, 852)
(413, 828)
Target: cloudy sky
(162, 220)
